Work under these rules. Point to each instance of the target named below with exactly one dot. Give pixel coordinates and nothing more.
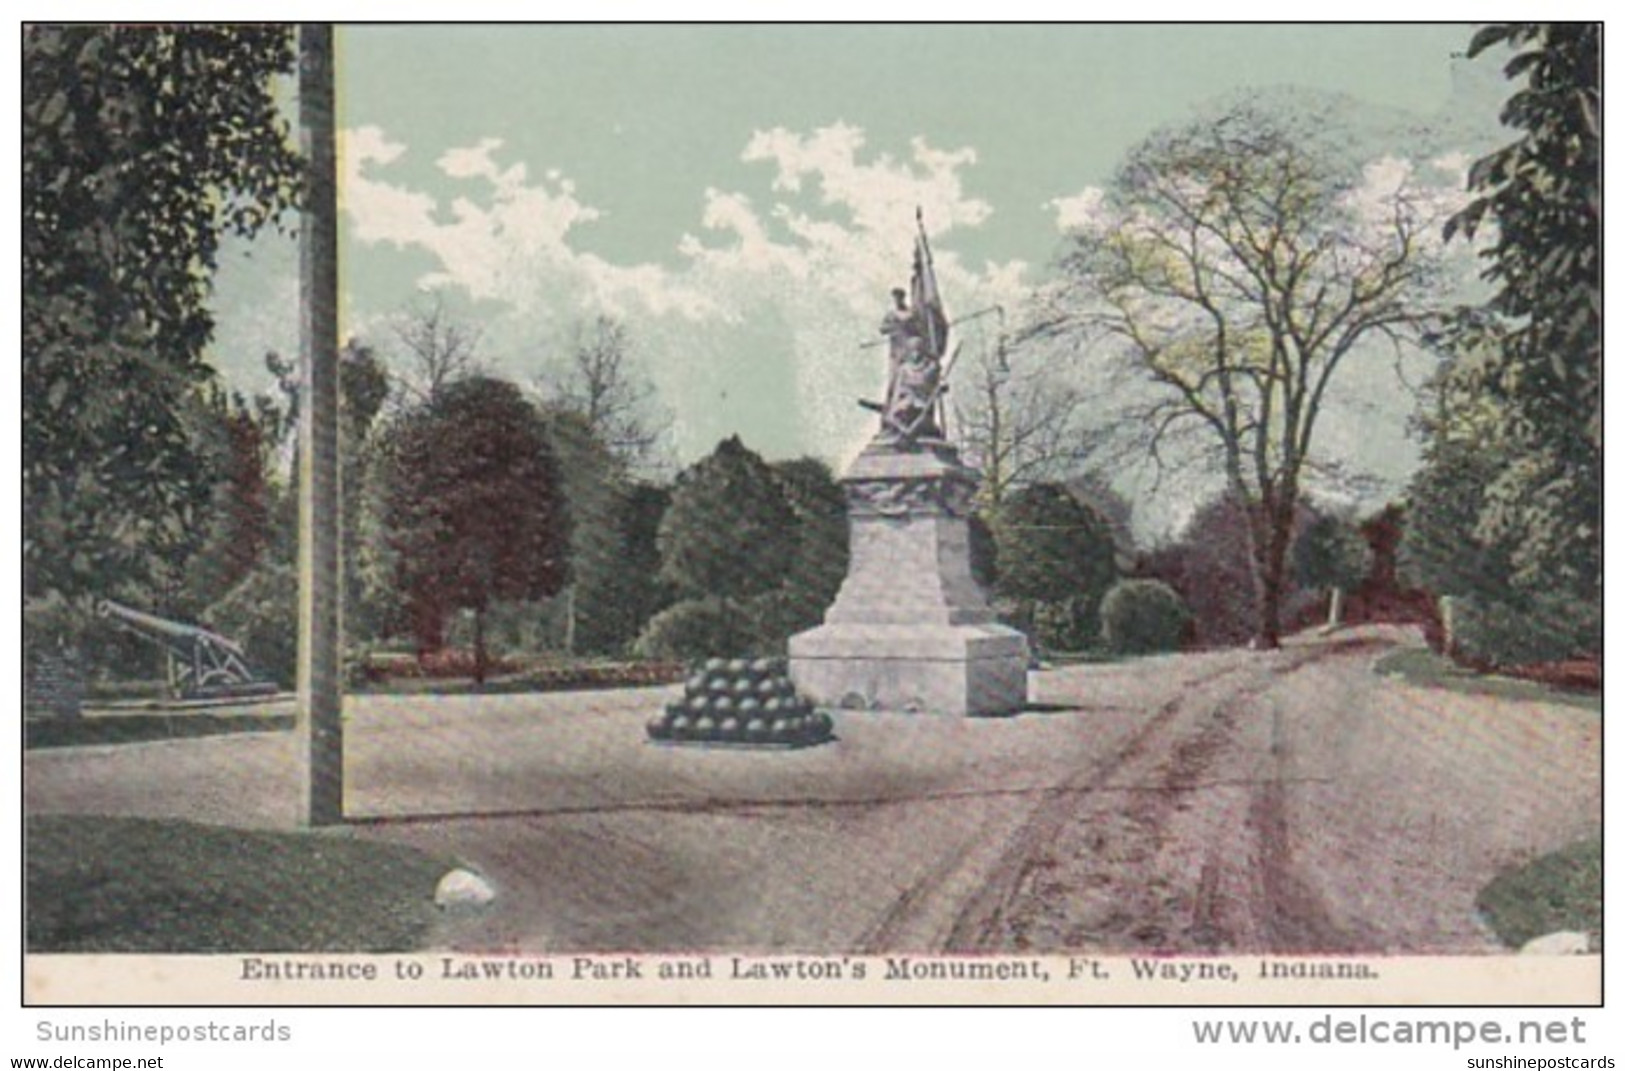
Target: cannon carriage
(200, 664)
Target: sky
(743, 197)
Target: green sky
(742, 196)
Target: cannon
(201, 664)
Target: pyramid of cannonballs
(740, 701)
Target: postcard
(814, 514)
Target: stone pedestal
(910, 629)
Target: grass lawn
(99, 884)
(1420, 666)
(1560, 891)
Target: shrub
(1066, 624)
(1056, 559)
(1491, 634)
(699, 628)
(1141, 616)
(262, 614)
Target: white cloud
(799, 277)
(1082, 209)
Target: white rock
(1561, 943)
(463, 888)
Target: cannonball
(756, 730)
(767, 687)
(730, 728)
(695, 685)
(749, 707)
(719, 683)
(772, 707)
(680, 726)
(722, 706)
(762, 668)
(697, 705)
(714, 666)
(738, 667)
(820, 725)
(743, 686)
(704, 726)
(658, 727)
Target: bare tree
(1019, 416)
(598, 381)
(1241, 263)
(441, 348)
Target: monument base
(975, 669)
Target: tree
(363, 389)
(473, 506)
(729, 534)
(818, 564)
(599, 383)
(237, 529)
(441, 349)
(1331, 553)
(1209, 565)
(141, 145)
(1544, 194)
(1535, 350)
(1057, 562)
(1242, 261)
(1019, 418)
(594, 486)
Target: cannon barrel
(160, 628)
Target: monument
(910, 629)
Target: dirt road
(1290, 801)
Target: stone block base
(935, 669)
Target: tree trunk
(479, 646)
(1272, 579)
(428, 628)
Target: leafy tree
(1534, 353)
(1331, 553)
(729, 532)
(818, 566)
(1544, 194)
(1209, 565)
(364, 389)
(473, 508)
(614, 585)
(141, 146)
(1241, 261)
(237, 527)
(1441, 549)
(1057, 560)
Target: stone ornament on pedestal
(911, 630)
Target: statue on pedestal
(917, 337)
(911, 629)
